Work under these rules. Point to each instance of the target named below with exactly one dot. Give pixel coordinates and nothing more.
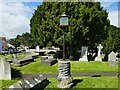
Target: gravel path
(77, 74)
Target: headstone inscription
(37, 82)
(112, 59)
(84, 51)
(5, 70)
(99, 58)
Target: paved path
(77, 74)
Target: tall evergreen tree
(87, 24)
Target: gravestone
(112, 59)
(99, 57)
(84, 51)
(5, 70)
(15, 59)
(36, 82)
(49, 60)
(24, 61)
(37, 48)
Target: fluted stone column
(64, 76)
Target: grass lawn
(10, 56)
(6, 83)
(76, 67)
(80, 82)
(89, 82)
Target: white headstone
(5, 70)
(112, 59)
(112, 56)
(84, 51)
(99, 58)
(37, 48)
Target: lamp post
(64, 24)
(64, 75)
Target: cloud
(113, 17)
(15, 19)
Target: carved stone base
(98, 59)
(84, 58)
(64, 77)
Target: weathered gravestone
(36, 82)
(112, 59)
(84, 51)
(64, 76)
(37, 48)
(5, 70)
(24, 61)
(49, 59)
(99, 57)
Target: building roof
(3, 38)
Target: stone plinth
(64, 76)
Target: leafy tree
(14, 42)
(87, 24)
(24, 39)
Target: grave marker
(37, 48)
(5, 70)
(99, 58)
(36, 82)
(84, 51)
(112, 59)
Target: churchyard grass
(6, 83)
(89, 82)
(76, 67)
(93, 66)
(82, 82)
(10, 56)
(37, 67)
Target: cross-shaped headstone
(99, 49)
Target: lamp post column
(64, 76)
(64, 46)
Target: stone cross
(99, 49)
(99, 58)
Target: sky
(15, 15)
